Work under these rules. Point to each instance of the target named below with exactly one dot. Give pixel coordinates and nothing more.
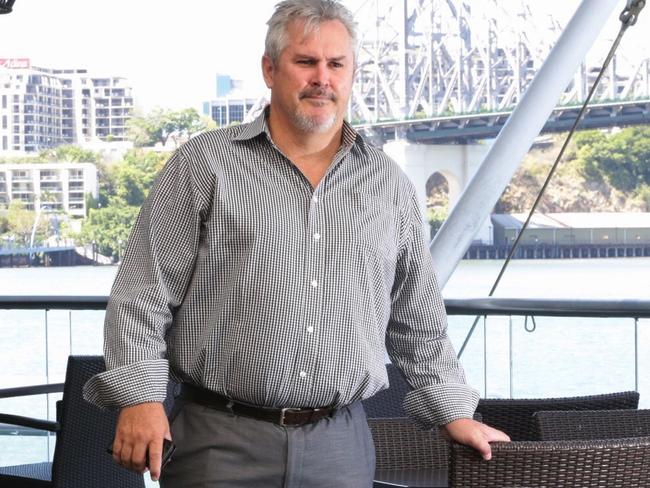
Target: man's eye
(337, 65)
(305, 61)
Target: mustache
(317, 92)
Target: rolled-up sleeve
(150, 285)
(416, 338)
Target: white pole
(516, 137)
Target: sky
(169, 50)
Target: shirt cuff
(436, 405)
(141, 382)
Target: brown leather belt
(283, 416)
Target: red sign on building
(15, 63)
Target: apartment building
(42, 108)
(52, 186)
(231, 104)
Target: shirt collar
(254, 128)
(259, 126)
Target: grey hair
(313, 13)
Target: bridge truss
(420, 59)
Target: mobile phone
(168, 450)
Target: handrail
(476, 306)
(20, 391)
(53, 302)
(549, 307)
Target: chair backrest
(614, 463)
(592, 424)
(515, 416)
(401, 444)
(80, 457)
(388, 403)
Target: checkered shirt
(243, 279)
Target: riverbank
(556, 251)
(46, 256)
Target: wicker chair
(592, 424)
(83, 432)
(402, 449)
(612, 463)
(515, 416)
(408, 455)
(388, 403)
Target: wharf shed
(574, 229)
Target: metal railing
(528, 309)
(532, 308)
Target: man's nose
(321, 74)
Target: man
(269, 268)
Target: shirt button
(314, 283)
(316, 236)
(314, 199)
(310, 329)
(303, 374)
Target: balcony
(20, 178)
(52, 190)
(50, 176)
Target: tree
(623, 159)
(123, 189)
(642, 197)
(161, 125)
(134, 177)
(69, 153)
(436, 216)
(4, 224)
(20, 221)
(109, 228)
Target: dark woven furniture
(592, 424)
(83, 432)
(515, 416)
(408, 455)
(613, 463)
(400, 444)
(403, 449)
(388, 403)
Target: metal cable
(628, 17)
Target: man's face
(312, 80)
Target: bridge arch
(455, 162)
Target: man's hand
(140, 431)
(474, 434)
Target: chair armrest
(33, 423)
(31, 390)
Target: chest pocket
(375, 224)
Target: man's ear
(268, 70)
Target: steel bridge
(440, 70)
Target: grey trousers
(220, 450)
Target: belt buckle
(283, 411)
